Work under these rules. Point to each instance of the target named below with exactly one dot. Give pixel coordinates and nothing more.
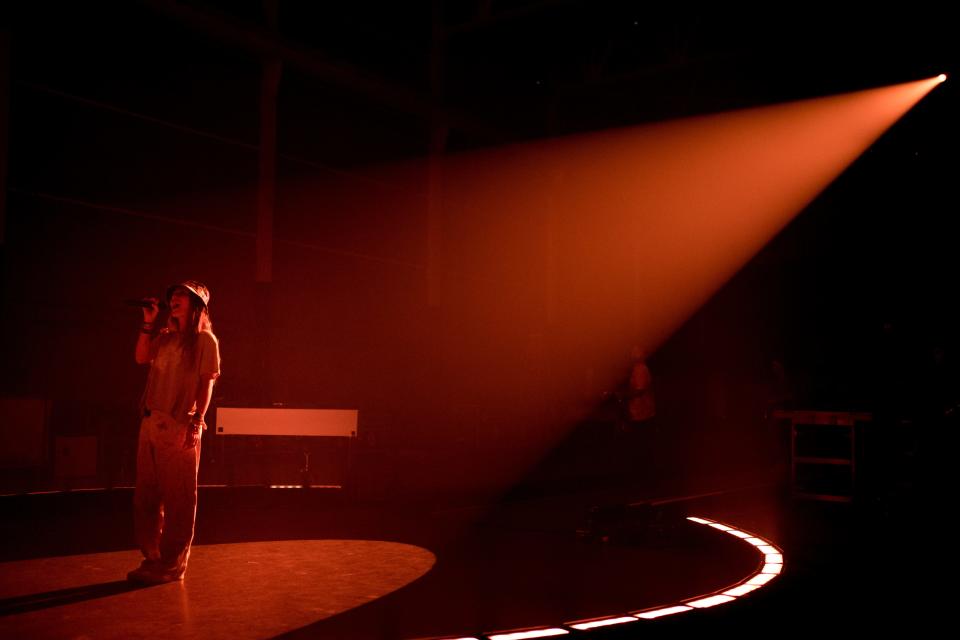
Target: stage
(554, 564)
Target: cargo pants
(165, 498)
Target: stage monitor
(244, 421)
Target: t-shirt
(173, 380)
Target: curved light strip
(771, 565)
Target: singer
(184, 359)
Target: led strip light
(772, 567)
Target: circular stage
(264, 589)
(358, 573)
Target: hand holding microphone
(151, 307)
(146, 303)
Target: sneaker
(146, 568)
(162, 575)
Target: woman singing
(184, 359)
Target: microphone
(146, 304)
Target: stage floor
(242, 590)
(301, 564)
(453, 572)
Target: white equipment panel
(286, 422)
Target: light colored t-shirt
(173, 381)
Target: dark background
(131, 164)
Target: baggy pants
(165, 499)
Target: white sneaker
(146, 568)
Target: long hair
(198, 319)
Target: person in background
(641, 404)
(637, 404)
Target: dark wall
(132, 166)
